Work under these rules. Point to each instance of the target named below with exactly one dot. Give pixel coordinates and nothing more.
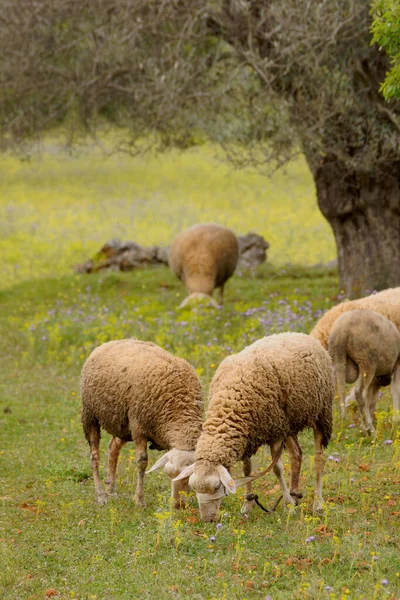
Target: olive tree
(274, 77)
(386, 33)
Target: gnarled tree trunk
(364, 213)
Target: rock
(252, 248)
(126, 256)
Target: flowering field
(58, 210)
(54, 540)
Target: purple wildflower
(328, 588)
(310, 539)
(352, 425)
(212, 538)
(388, 442)
(385, 582)
(219, 525)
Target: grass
(59, 210)
(56, 542)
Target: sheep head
(197, 298)
(174, 462)
(211, 483)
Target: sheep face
(211, 483)
(174, 462)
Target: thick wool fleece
(274, 388)
(368, 339)
(204, 257)
(387, 303)
(129, 384)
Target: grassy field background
(54, 540)
(59, 209)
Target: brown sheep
(204, 257)
(265, 394)
(364, 347)
(387, 303)
(139, 392)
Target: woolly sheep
(139, 392)
(387, 303)
(204, 257)
(265, 394)
(364, 347)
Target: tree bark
(363, 210)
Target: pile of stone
(127, 256)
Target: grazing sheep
(387, 303)
(364, 347)
(204, 257)
(266, 394)
(139, 392)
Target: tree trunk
(364, 213)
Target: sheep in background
(386, 303)
(365, 347)
(204, 257)
(139, 392)
(265, 394)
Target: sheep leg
(340, 373)
(141, 459)
(395, 391)
(114, 448)
(351, 396)
(319, 461)
(296, 454)
(362, 396)
(373, 395)
(221, 296)
(93, 437)
(248, 505)
(279, 472)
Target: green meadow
(55, 542)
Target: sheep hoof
(247, 506)
(139, 501)
(396, 417)
(317, 507)
(371, 431)
(101, 498)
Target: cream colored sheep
(139, 392)
(386, 303)
(204, 257)
(266, 394)
(365, 348)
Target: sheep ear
(243, 480)
(185, 473)
(226, 479)
(161, 462)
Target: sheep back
(368, 338)
(276, 387)
(130, 381)
(204, 257)
(387, 303)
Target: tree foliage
(386, 33)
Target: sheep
(139, 392)
(364, 347)
(204, 257)
(265, 394)
(387, 303)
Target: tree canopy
(275, 76)
(386, 33)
